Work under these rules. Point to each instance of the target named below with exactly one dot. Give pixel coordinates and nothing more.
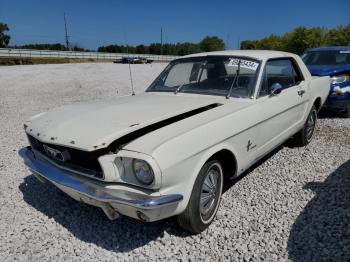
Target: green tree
(272, 42)
(187, 48)
(154, 48)
(4, 38)
(249, 44)
(338, 36)
(316, 37)
(295, 41)
(142, 49)
(77, 47)
(212, 43)
(56, 46)
(301, 38)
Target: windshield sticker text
(244, 63)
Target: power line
(228, 42)
(161, 41)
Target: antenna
(132, 85)
(127, 52)
(66, 31)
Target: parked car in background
(333, 62)
(133, 60)
(167, 152)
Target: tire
(197, 217)
(304, 136)
(347, 112)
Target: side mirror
(275, 89)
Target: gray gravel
(294, 205)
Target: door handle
(301, 93)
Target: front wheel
(304, 136)
(205, 198)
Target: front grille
(79, 160)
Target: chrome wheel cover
(310, 125)
(210, 192)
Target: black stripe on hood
(122, 141)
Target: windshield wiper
(234, 80)
(177, 90)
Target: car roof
(257, 54)
(330, 48)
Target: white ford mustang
(206, 118)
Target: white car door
(281, 113)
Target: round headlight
(143, 172)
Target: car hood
(327, 70)
(91, 126)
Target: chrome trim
(69, 167)
(94, 189)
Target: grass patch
(39, 60)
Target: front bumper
(339, 98)
(113, 199)
(337, 103)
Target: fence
(8, 52)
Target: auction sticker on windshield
(244, 63)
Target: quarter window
(281, 71)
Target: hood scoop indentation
(150, 128)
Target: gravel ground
(294, 205)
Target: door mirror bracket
(275, 89)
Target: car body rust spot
(101, 145)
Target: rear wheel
(304, 136)
(205, 198)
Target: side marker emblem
(250, 145)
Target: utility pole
(238, 43)
(161, 41)
(66, 31)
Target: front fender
(213, 150)
(180, 177)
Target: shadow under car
(322, 230)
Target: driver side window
(281, 71)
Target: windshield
(212, 75)
(334, 58)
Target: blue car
(333, 62)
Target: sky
(93, 23)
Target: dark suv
(333, 62)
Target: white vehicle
(206, 118)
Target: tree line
(209, 43)
(55, 46)
(302, 38)
(296, 41)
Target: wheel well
(228, 161)
(317, 103)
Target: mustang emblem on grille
(57, 154)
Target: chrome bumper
(94, 190)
